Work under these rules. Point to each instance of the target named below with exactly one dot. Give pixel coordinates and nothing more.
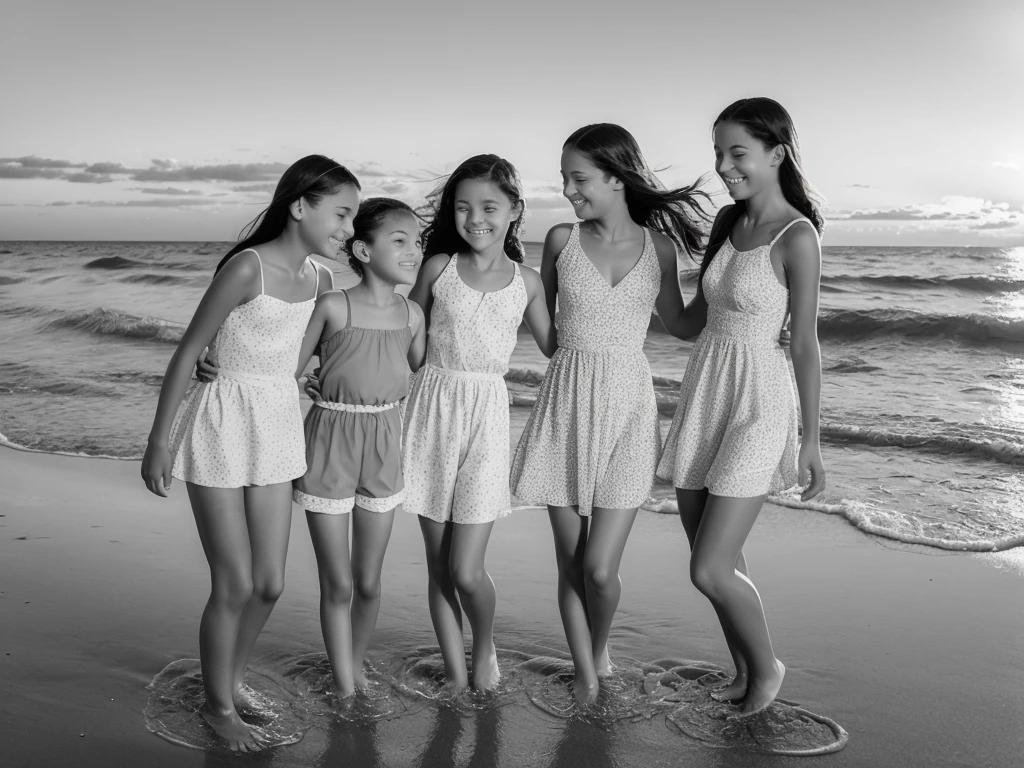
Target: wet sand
(918, 654)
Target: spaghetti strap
(258, 261)
(348, 307)
(316, 273)
(783, 230)
(408, 311)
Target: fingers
(816, 484)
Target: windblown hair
(768, 122)
(441, 236)
(312, 178)
(370, 218)
(675, 213)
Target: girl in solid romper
(237, 441)
(475, 293)
(368, 338)
(591, 445)
(734, 436)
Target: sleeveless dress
(354, 433)
(245, 427)
(456, 418)
(735, 428)
(593, 437)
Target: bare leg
(609, 529)
(569, 529)
(445, 611)
(691, 510)
(723, 530)
(220, 519)
(476, 593)
(371, 532)
(268, 514)
(329, 534)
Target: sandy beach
(916, 653)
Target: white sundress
(245, 427)
(735, 428)
(456, 429)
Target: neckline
(643, 252)
(455, 266)
(282, 301)
(775, 239)
(361, 328)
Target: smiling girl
(237, 442)
(591, 445)
(368, 338)
(734, 436)
(475, 293)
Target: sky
(173, 121)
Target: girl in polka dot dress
(368, 338)
(592, 442)
(237, 441)
(734, 436)
(475, 293)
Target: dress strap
(316, 272)
(783, 230)
(258, 261)
(348, 307)
(408, 312)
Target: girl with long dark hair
(237, 442)
(734, 436)
(591, 445)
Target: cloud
(861, 186)
(970, 213)
(393, 187)
(84, 177)
(539, 202)
(31, 161)
(166, 191)
(226, 172)
(161, 203)
(28, 172)
(1006, 164)
(263, 189)
(369, 169)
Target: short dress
(354, 432)
(735, 428)
(245, 427)
(456, 419)
(593, 437)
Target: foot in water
(486, 674)
(734, 692)
(603, 664)
(763, 693)
(239, 736)
(585, 691)
(246, 699)
(359, 679)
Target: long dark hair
(366, 223)
(440, 236)
(675, 213)
(312, 177)
(768, 122)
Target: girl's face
(743, 163)
(326, 226)
(591, 191)
(396, 251)
(483, 213)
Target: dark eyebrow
(398, 232)
(343, 208)
(466, 202)
(738, 146)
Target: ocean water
(922, 376)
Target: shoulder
(333, 303)
(416, 317)
(665, 249)
(799, 244)
(433, 266)
(531, 279)
(241, 269)
(557, 237)
(326, 277)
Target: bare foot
(343, 689)
(246, 699)
(239, 736)
(359, 679)
(603, 664)
(585, 691)
(734, 692)
(761, 694)
(486, 674)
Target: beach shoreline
(103, 585)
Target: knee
(467, 578)
(367, 587)
(706, 578)
(268, 588)
(336, 588)
(599, 576)
(232, 589)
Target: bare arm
(536, 315)
(801, 257)
(684, 321)
(418, 348)
(233, 285)
(555, 241)
(314, 331)
(423, 291)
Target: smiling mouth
(734, 181)
(479, 231)
(409, 264)
(577, 201)
(335, 242)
